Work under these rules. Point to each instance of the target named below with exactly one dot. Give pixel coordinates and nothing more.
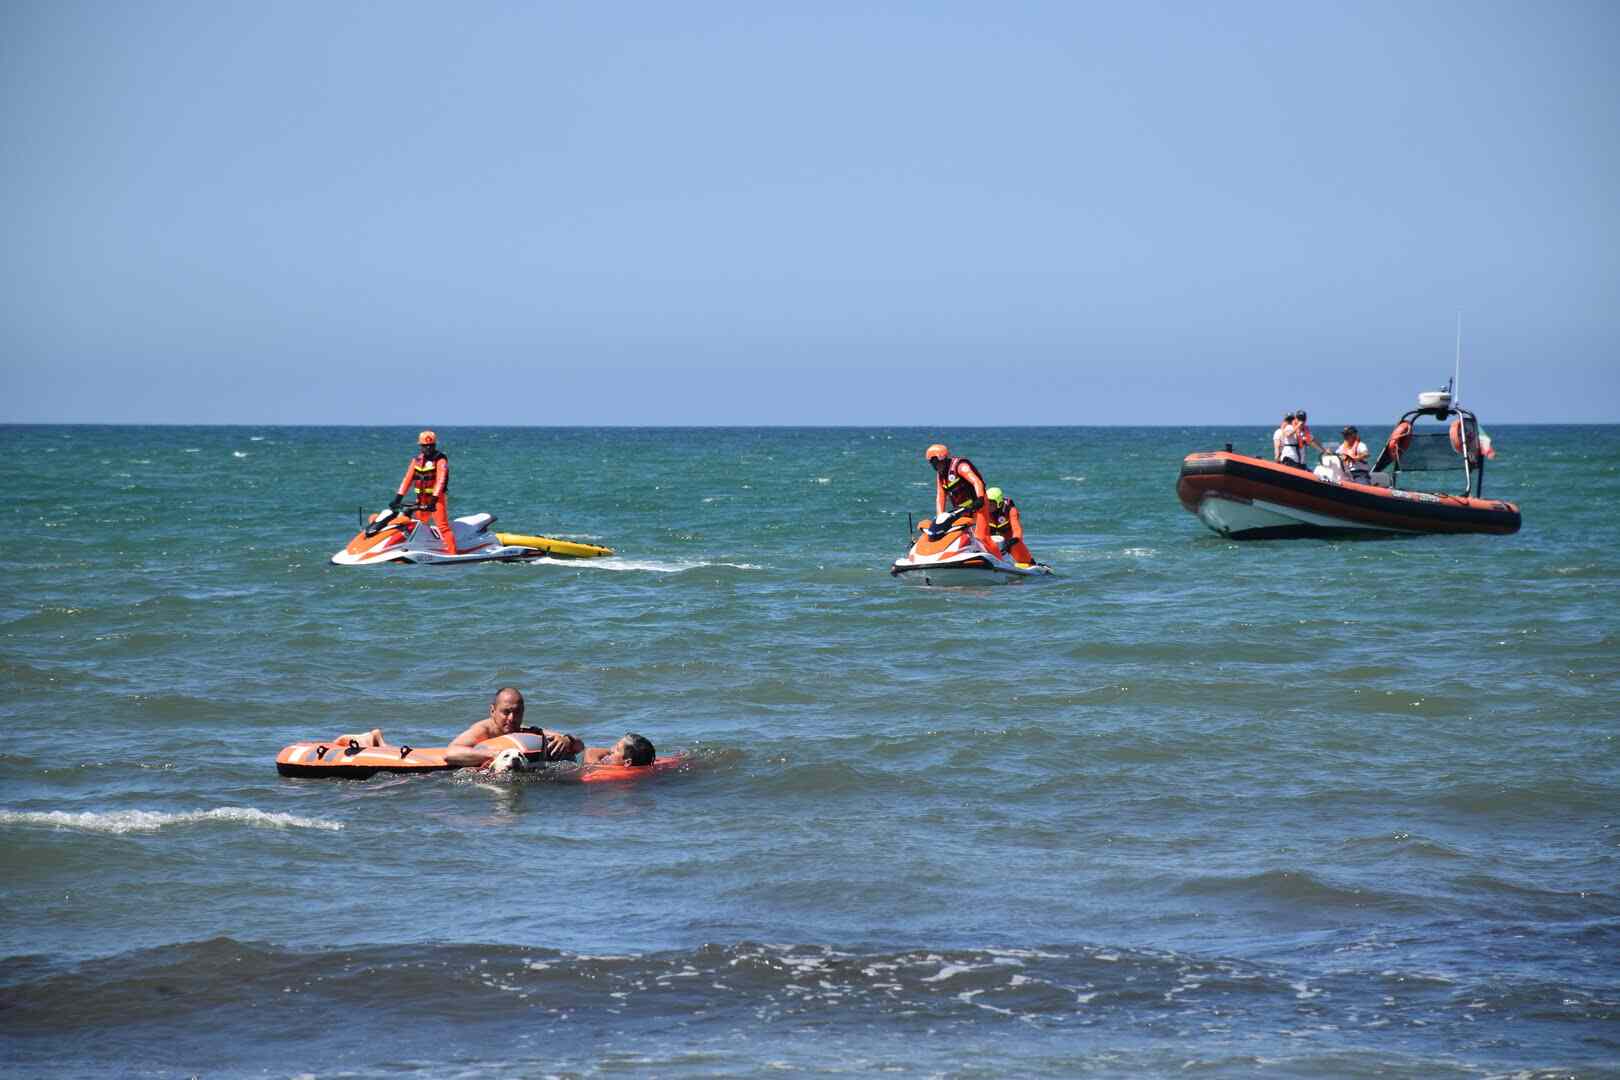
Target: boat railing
(1429, 454)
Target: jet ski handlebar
(386, 516)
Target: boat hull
(1245, 498)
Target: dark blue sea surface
(1284, 808)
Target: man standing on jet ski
(1005, 526)
(429, 474)
(957, 480)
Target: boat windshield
(1429, 461)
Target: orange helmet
(427, 438)
(936, 452)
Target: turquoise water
(1292, 808)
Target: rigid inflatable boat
(1248, 498)
(352, 761)
(390, 536)
(945, 552)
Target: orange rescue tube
(592, 774)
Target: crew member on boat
(957, 480)
(1006, 527)
(1353, 456)
(1278, 436)
(1297, 437)
(429, 474)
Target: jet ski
(396, 536)
(945, 552)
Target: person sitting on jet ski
(1005, 526)
(632, 749)
(957, 479)
(506, 718)
(429, 474)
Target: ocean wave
(759, 985)
(1297, 889)
(119, 822)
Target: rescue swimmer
(957, 480)
(1006, 527)
(429, 474)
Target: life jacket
(1000, 517)
(1357, 467)
(958, 490)
(425, 475)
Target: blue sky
(822, 214)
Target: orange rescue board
(337, 761)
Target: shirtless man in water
(506, 718)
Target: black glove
(397, 502)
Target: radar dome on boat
(1434, 399)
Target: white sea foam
(145, 821)
(655, 566)
(238, 453)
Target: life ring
(1457, 438)
(1400, 440)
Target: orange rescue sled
(355, 762)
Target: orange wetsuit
(431, 479)
(962, 485)
(1004, 523)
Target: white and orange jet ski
(945, 552)
(395, 536)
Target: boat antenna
(1456, 378)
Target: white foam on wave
(238, 453)
(654, 566)
(119, 822)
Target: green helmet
(994, 495)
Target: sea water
(1288, 808)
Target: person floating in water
(505, 718)
(632, 749)
(958, 481)
(429, 474)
